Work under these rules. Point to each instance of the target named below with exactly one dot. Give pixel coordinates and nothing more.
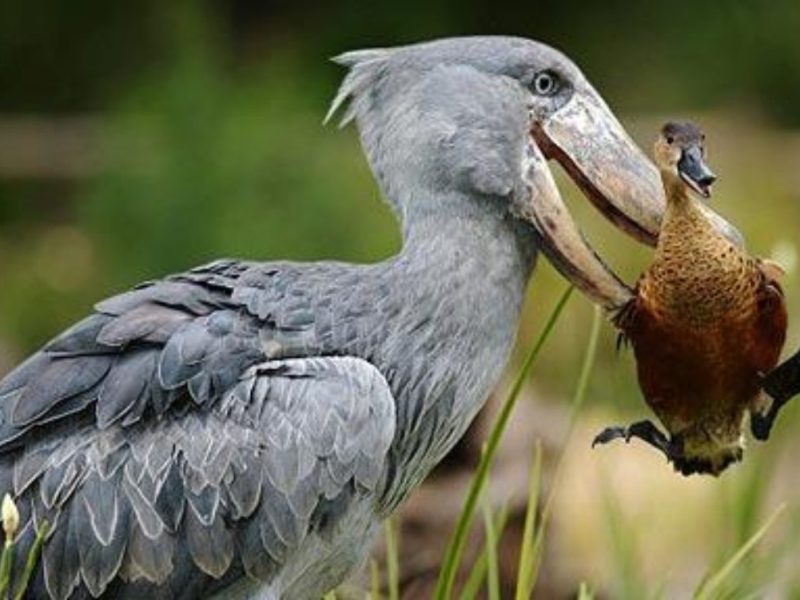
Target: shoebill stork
(243, 427)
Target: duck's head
(680, 156)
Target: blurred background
(142, 138)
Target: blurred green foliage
(68, 55)
(212, 142)
(212, 145)
(210, 113)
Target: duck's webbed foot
(782, 384)
(644, 430)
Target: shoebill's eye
(545, 83)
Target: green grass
(444, 588)
(477, 577)
(584, 592)
(8, 556)
(529, 552)
(392, 562)
(623, 549)
(713, 585)
(490, 545)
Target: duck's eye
(545, 83)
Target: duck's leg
(782, 384)
(644, 430)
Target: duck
(707, 322)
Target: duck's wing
(171, 443)
(769, 333)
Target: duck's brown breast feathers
(703, 361)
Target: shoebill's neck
(450, 317)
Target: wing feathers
(102, 506)
(170, 501)
(148, 557)
(147, 322)
(162, 399)
(62, 378)
(244, 489)
(61, 561)
(211, 545)
(127, 382)
(99, 561)
(258, 563)
(147, 518)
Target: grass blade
(478, 572)
(375, 580)
(584, 593)
(493, 579)
(711, 586)
(578, 398)
(525, 568)
(624, 547)
(475, 580)
(392, 561)
(6, 564)
(455, 549)
(586, 369)
(33, 558)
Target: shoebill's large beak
(597, 153)
(561, 240)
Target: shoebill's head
(450, 124)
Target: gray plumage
(243, 427)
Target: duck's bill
(702, 190)
(594, 149)
(695, 172)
